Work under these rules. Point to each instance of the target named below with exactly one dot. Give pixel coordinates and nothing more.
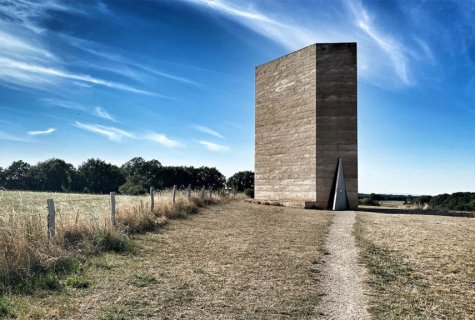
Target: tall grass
(29, 260)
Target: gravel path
(342, 275)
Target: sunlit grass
(83, 227)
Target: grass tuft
(78, 282)
(6, 308)
(143, 280)
(110, 240)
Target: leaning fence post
(203, 193)
(152, 203)
(174, 194)
(51, 219)
(189, 191)
(113, 222)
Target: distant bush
(387, 197)
(368, 202)
(242, 181)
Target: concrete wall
(337, 133)
(305, 120)
(285, 164)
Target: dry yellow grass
(82, 227)
(233, 261)
(420, 267)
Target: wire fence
(55, 211)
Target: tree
(16, 176)
(209, 177)
(100, 177)
(52, 175)
(135, 185)
(241, 181)
(150, 172)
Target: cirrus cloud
(214, 146)
(41, 132)
(113, 134)
(164, 140)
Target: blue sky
(174, 81)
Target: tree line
(459, 201)
(135, 176)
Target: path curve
(342, 275)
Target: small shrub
(40, 281)
(6, 308)
(78, 282)
(368, 202)
(67, 265)
(108, 240)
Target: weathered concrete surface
(305, 120)
(285, 128)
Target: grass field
(30, 261)
(419, 267)
(235, 260)
(232, 261)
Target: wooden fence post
(51, 219)
(174, 194)
(210, 193)
(203, 193)
(113, 222)
(152, 203)
(189, 191)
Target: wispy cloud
(289, 35)
(27, 59)
(27, 12)
(163, 139)
(98, 111)
(214, 146)
(5, 136)
(374, 45)
(41, 132)
(72, 105)
(209, 131)
(113, 134)
(393, 49)
(18, 70)
(119, 61)
(118, 135)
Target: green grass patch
(6, 307)
(78, 282)
(143, 280)
(114, 241)
(43, 278)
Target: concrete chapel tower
(306, 128)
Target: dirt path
(235, 261)
(342, 276)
